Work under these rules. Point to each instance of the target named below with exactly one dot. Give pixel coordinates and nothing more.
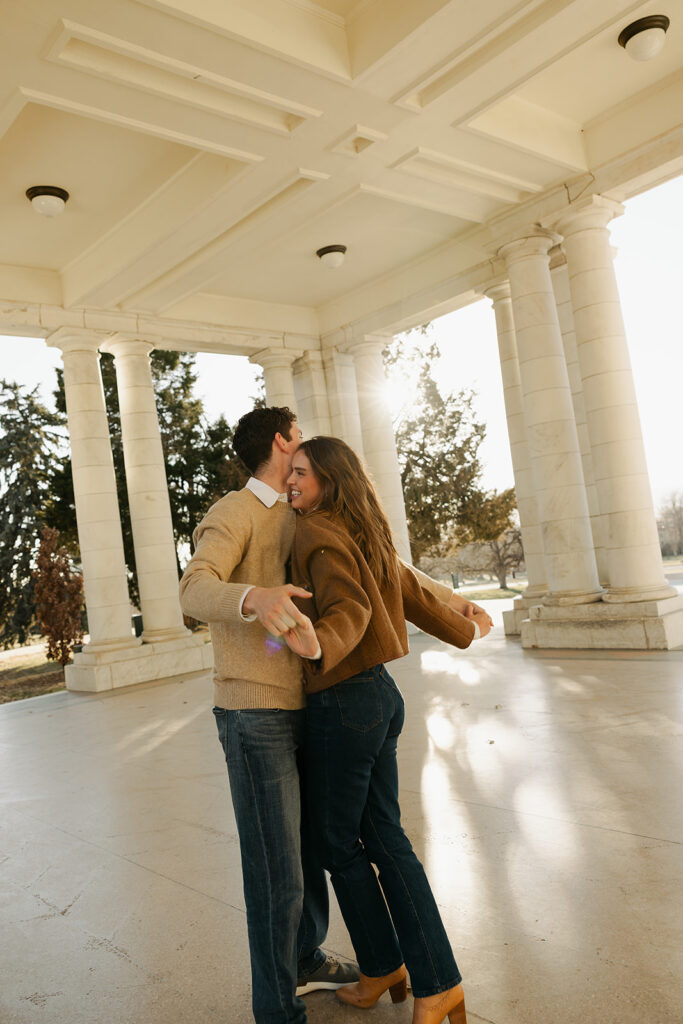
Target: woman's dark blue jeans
(352, 790)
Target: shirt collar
(264, 492)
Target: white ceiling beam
(196, 272)
(302, 33)
(142, 245)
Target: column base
(637, 626)
(625, 595)
(92, 672)
(156, 636)
(105, 646)
(515, 616)
(563, 598)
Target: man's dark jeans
(285, 890)
(352, 783)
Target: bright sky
(649, 267)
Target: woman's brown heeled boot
(366, 992)
(435, 1009)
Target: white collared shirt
(264, 492)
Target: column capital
(127, 345)
(557, 257)
(370, 343)
(269, 358)
(592, 212)
(498, 291)
(75, 339)
(536, 241)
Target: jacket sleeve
(205, 591)
(432, 615)
(343, 607)
(439, 590)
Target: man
(235, 581)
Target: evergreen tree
(437, 440)
(32, 446)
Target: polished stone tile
(538, 788)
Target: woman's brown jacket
(360, 623)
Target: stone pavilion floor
(541, 789)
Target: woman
(362, 594)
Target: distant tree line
(670, 524)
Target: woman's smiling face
(303, 485)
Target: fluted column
(621, 478)
(571, 571)
(519, 449)
(379, 442)
(277, 371)
(311, 394)
(100, 540)
(150, 509)
(342, 390)
(565, 314)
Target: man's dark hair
(255, 432)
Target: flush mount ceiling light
(49, 200)
(644, 39)
(332, 255)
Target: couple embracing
(309, 718)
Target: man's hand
(483, 620)
(274, 608)
(468, 608)
(302, 640)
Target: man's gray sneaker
(331, 974)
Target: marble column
(621, 478)
(150, 509)
(571, 571)
(342, 391)
(565, 313)
(277, 371)
(525, 490)
(310, 390)
(379, 442)
(100, 540)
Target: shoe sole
(315, 986)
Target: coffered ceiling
(209, 148)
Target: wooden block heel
(399, 991)
(367, 991)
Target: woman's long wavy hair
(347, 492)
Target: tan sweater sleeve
(220, 546)
(432, 615)
(344, 608)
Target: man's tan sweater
(241, 543)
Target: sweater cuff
(253, 616)
(229, 602)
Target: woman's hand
(470, 610)
(483, 620)
(302, 639)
